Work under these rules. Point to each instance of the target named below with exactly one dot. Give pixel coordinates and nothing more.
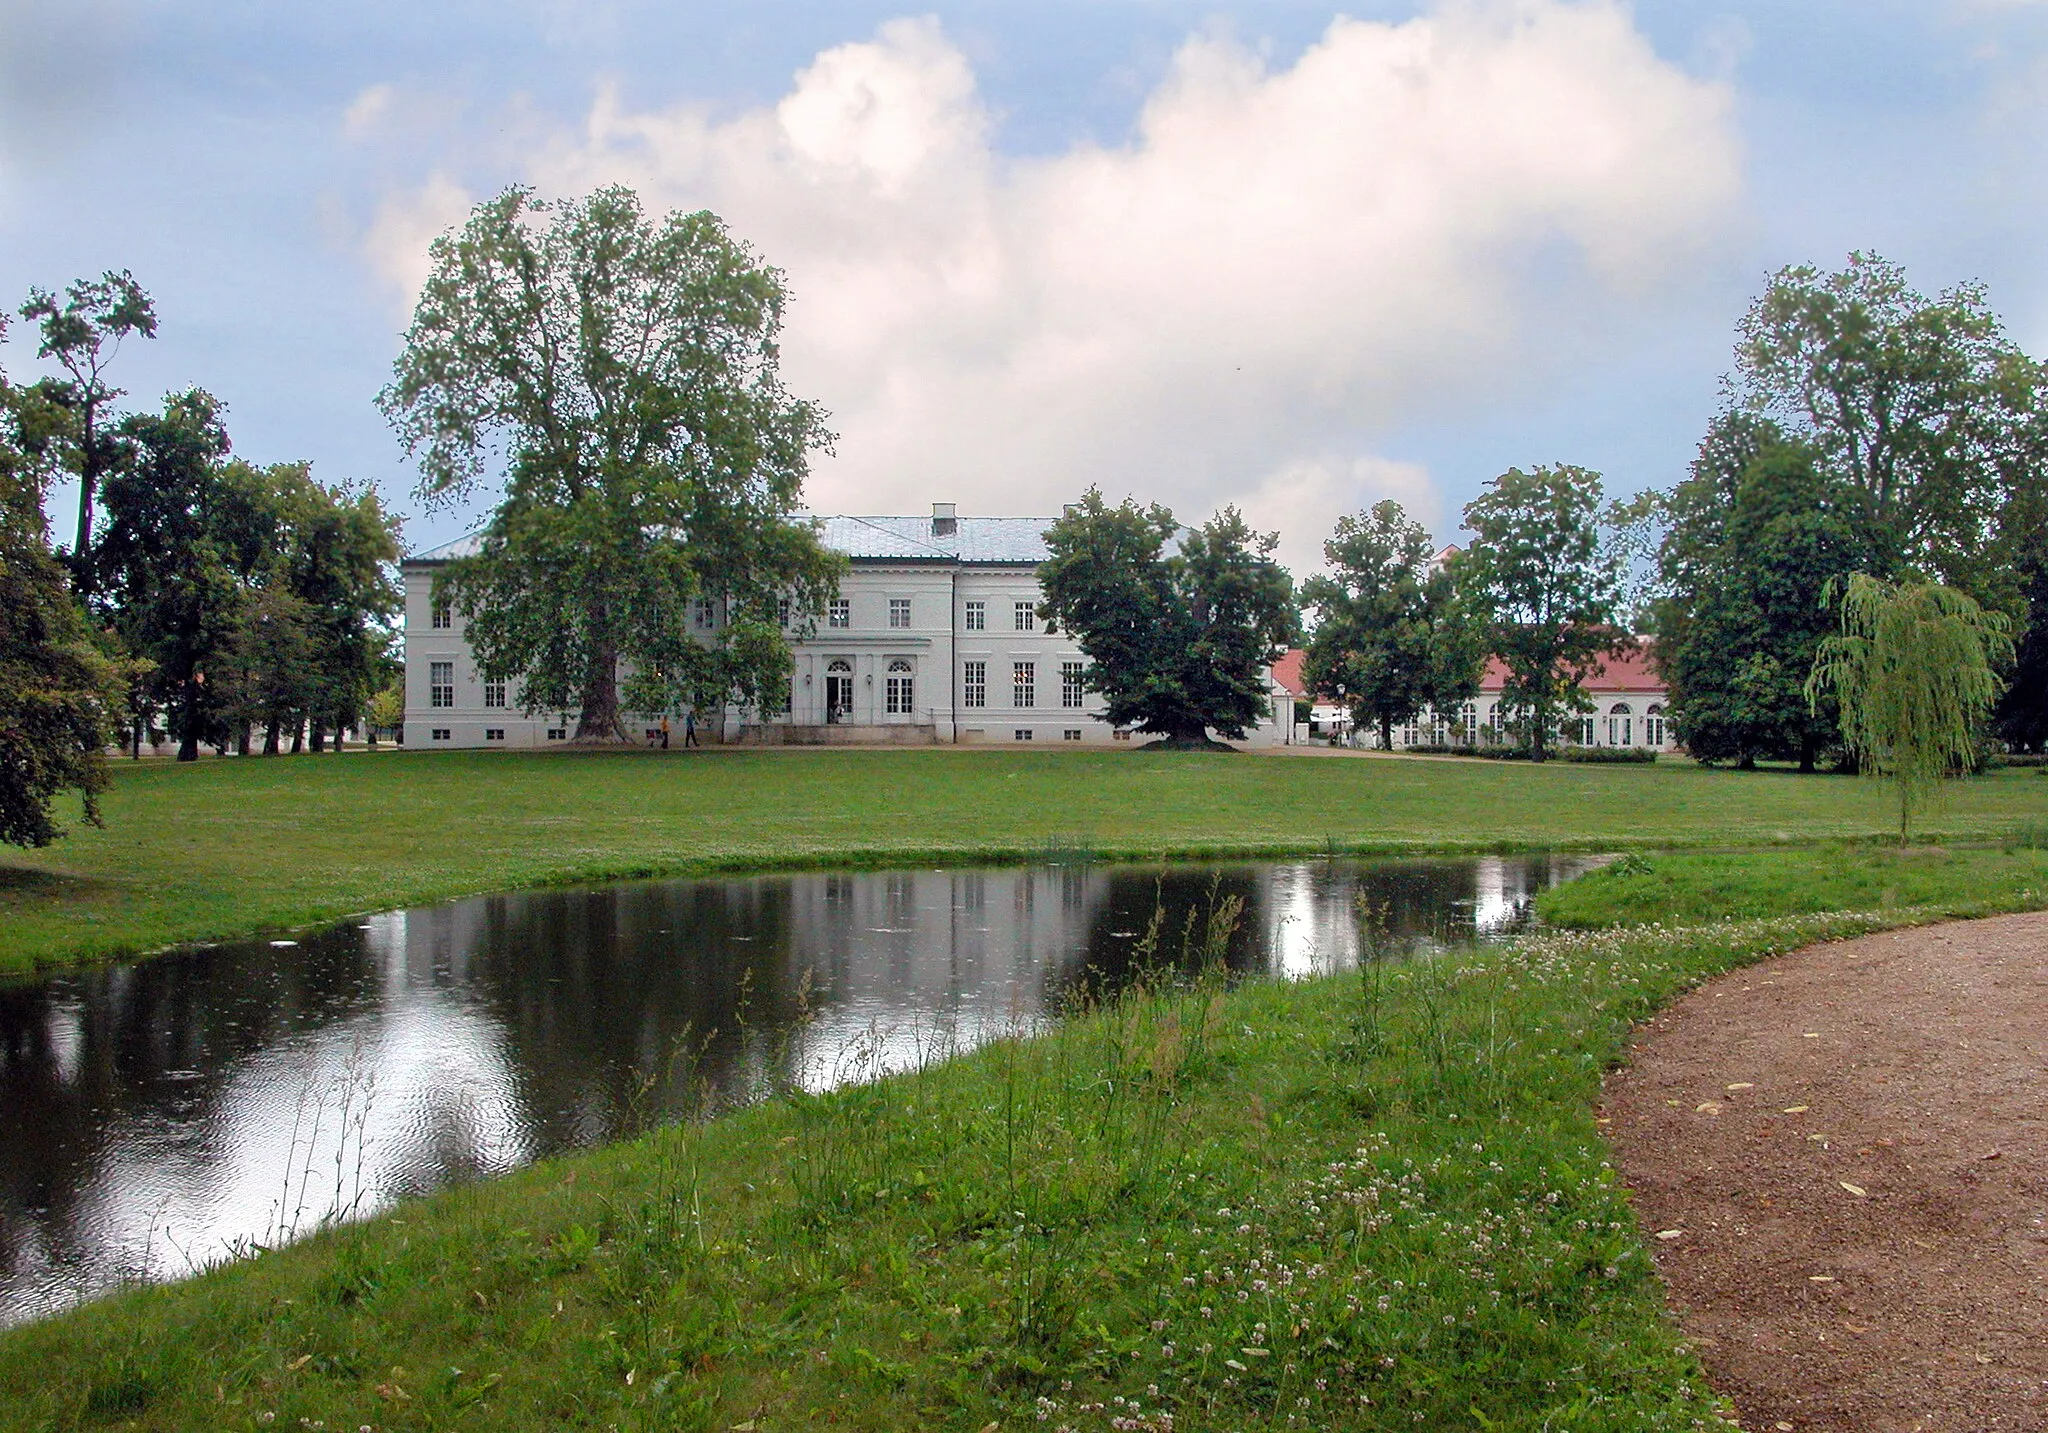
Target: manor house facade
(934, 638)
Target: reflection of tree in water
(629, 1004)
(153, 1045)
(1182, 900)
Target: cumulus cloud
(1234, 305)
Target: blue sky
(1201, 253)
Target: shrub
(1607, 755)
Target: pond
(160, 1116)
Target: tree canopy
(1759, 529)
(626, 371)
(1912, 670)
(1921, 406)
(57, 690)
(1179, 624)
(82, 334)
(1550, 590)
(1390, 634)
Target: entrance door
(838, 693)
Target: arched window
(1653, 726)
(1620, 729)
(901, 693)
(838, 690)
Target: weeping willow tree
(1913, 672)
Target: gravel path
(1842, 1157)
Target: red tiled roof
(1287, 672)
(1629, 672)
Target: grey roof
(995, 540)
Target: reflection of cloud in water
(336, 1122)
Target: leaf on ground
(1741, 1085)
(1707, 1107)
(1795, 1109)
(1856, 1189)
(1670, 1233)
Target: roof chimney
(944, 524)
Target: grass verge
(1376, 1201)
(224, 848)
(1693, 887)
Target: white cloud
(1278, 266)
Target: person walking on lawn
(689, 729)
(664, 732)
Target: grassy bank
(223, 848)
(1694, 887)
(1376, 1201)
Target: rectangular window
(840, 613)
(707, 613)
(1024, 684)
(1073, 683)
(1072, 733)
(900, 695)
(442, 618)
(441, 684)
(558, 733)
(974, 684)
(1027, 617)
(494, 693)
(977, 616)
(899, 611)
(782, 612)
(440, 733)
(1023, 733)
(494, 733)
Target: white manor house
(933, 638)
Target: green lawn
(1377, 1201)
(231, 847)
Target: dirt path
(1843, 1156)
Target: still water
(158, 1117)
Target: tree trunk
(1386, 732)
(140, 723)
(319, 736)
(598, 722)
(339, 729)
(242, 739)
(1806, 757)
(188, 738)
(270, 737)
(298, 736)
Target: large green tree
(1920, 406)
(626, 371)
(1390, 635)
(1179, 624)
(57, 691)
(1913, 670)
(82, 332)
(1550, 590)
(167, 564)
(1758, 531)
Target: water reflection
(157, 1117)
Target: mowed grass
(1376, 1201)
(233, 847)
(1693, 887)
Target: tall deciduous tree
(1549, 588)
(1179, 625)
(1390, 632)
(82, 333)
(1759, 530)
(167, 565)
(627, 371)
(1912, 670)
(1917, 404)
(57, 692)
